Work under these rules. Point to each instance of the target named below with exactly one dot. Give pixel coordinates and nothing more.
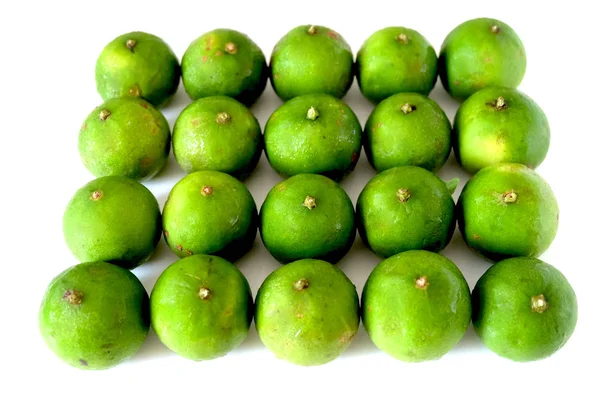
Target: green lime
(313, 134)
(311, 59)
(224, 62)
(125, 136)
(500, 125)
(307, 216)
(210, 212)
(217, 133)
(524, 309)
(138, 64)
(416, 306)
(407, 129)
(478, 53)
(307, 312)
(94, 315)
(406, 208)
(201, 307)
(113, 219)
(507, 210)
(394, 60)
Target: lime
(405, 208)
(113, 219)
(201, 307)
(138, 64)
(407, 129)
(311, 59)
(507, 210)
(524, 309)
(125, 136)
(313, 134)
(416, 305)
(217, 133)
(394, 60)
(307, 216)
(94, 315)
(499, 125)
(210, 212)
(307, 312)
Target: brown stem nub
(131, 44)
(96, 195)
(311, 30)
(500, 103)
(510, 197)
(206, 190)
(104, 114)
(495, 29)
(310, 202)
(312, 114)
(301, 284)
(421, 282)
(407, 108)
(402, 38)
(204, 293)
(539, 304)
(73, 297)
(403, 195)
(231, 48)
(135, 91)
(223, 118)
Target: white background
(47, 89)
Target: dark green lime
(307, 216)
(524, 309)
(314, 134)
(406, 208)
(407, 129)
